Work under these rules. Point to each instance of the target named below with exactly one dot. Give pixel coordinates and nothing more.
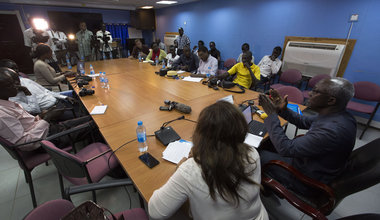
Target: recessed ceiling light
(166, 2)
(147, 7)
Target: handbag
(90, 210)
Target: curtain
(119, 31)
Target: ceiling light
(166, 2)
(147, 7)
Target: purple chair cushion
(133, 214)
(315, 79)
(229, 63)
(276, 86)
(52, 210)
(306, 94)
(291, 76)
(294, 94)
(32, 159)
(367, 91)
(360, 107)
(97, 168)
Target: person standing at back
(84, 38)
(182, 41)
(221, 179)
(59, 40)
(105, 39)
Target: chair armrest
(72, 190)
(68, 131)
(97, 156)
(306, 180)
(292, 199)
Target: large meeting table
(135, 94)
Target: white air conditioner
(313, 58)
(169, 39)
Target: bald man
(323, 151)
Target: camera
(84, 92)
(39, 38)
(105, 38)
(81, 83)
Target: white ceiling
(107, 4)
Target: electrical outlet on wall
(354, 17)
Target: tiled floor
(15, 200)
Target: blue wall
(265, 23)
(109, 16)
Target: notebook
(254, 127)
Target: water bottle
(111, 55)
(101, 79)
(208, 73)
(106, 82)
(92, 72)
(163, 65)
(141, 137)
(81, 69)
(156, 60)
(104, 55)
(68, 62)
(140, 58)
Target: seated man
(36, 98)
(195, 48)
(171, 57)
(18, 126)
(322, 152)
(156, 53)
(247, 73)
(139, 48)
(208, 65)
(244, 48)
(160, 44)
(270, 65)
(187, 61)
(214, 52)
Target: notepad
(192, 79)
(98, 110)
(253, 140)
(93, 75)
(177, 150)
(180, 71)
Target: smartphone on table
(149, 160)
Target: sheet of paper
(192, 79)
(148, 61)
(98, 110)
(229, 99)
(177, 150)
(253, 140)
(180, 71)
(93, 75)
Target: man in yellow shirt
(156, 52)
(247, 73)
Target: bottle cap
(139, 123)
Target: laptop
(254, 127)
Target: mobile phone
(149, 160)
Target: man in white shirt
(33, 36)
(59, 40)
(105, 39)
(171, 57)
(33, 97)
(208, 65)
(270, 65)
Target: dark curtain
(119, 31)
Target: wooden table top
(135, 94)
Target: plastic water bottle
(111, 55)
(101, 79)
(104, 55)
(92, 72)
(156, 60)
(105, 81)
(163, 64)
(68, 62)
(81, 69)
(140, 58)
(141, 137)
(208, 73)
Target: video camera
(84, 92)
(83, 80)
(39, 38)
(105, 38)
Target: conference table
(135, 94)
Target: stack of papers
(98, 110)
(229, 99)
(253, 140)
(177, 150)
(192, 79)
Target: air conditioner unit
(313, 58)
(169, 38)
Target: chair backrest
(294, 94)
(230, 62)
(15, 154)
(362, 171)
(67, 164)
(367, 91)
(315, 79)
(292, 76)
(52, 210)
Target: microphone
(261, 113)
(175, 105)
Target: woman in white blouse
(45, 74)
(222, 178)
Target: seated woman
(45, 74)
(222, 178)
(156, 52)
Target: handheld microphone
(261, 113)
(175, 105)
